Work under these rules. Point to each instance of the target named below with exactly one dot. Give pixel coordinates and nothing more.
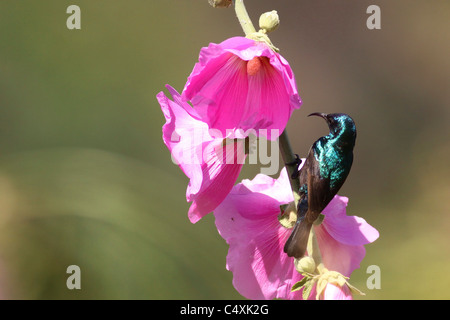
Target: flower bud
(305, 264)
(220, 3)
(269, 21)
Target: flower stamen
(254, 65)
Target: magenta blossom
(243, 84)
(209, 160)
(248, 220)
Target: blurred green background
(85, 178)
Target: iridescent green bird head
(342, 128)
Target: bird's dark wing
(319, 195)
(309, 166)
(318, 187)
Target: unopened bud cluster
(220, 3)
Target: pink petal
(279, 189)
(333, 292)
(218, 174)
(337, 256)
(211, 167)
(350, 230)
(229, 98)
(248, 221)
(182, 132)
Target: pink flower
(248, 220)
(243, 84)
(208, 161)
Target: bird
(325, 170)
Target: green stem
(289, 158)
(243, 17)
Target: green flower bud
(220, 3)
(305, 265)
(269, 21)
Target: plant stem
(243, 17)
(289, 158)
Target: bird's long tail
(296, 244)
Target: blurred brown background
(85, 178)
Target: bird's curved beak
(319, 114)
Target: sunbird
(324, 172)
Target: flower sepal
(322, 278)
(335, 278)
(288, 215)
(260, 36)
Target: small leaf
(300, 284)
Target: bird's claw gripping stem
(297, 162)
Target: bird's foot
(297, 162)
